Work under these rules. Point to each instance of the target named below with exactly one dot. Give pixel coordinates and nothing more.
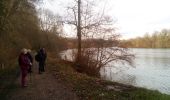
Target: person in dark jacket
(24, 64)
(31, 60)
(44, 58)
(42, 55)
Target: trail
(42, 87)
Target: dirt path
(42, 87)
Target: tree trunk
(79, 32)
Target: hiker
(31, 60)
(43, 51)
(41, 58)
(24, 64)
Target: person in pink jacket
(24, 64)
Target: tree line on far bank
(156, 40)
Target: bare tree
(50, 22)
(84, 20)
(91, 24)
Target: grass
(90, 88)
(7, 79)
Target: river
(151, 71)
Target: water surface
(152, 70)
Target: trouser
(41, 66)
(23, 76)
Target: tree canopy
(20, 27)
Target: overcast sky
(134, 17)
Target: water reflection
(118, 76)
(152, 70)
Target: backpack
(37, 57)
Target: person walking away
(44, 56)
(30, 59)
(24, 64)
(41, 58)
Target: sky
(133, 17)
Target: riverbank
(62, 82)
(90, 88)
